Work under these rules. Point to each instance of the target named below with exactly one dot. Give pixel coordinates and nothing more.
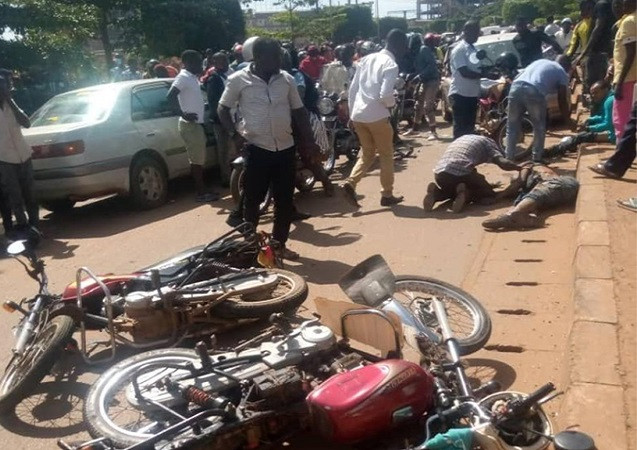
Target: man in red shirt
(313, 63)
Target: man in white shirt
(553, 26)
(371, 95)
(464, 89)
(337, 76)
(271, 107)
(563, 37)
(186, 97)
(16, 169)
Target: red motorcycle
(193, 294)
(280, 381)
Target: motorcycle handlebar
(522, 406)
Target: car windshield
(495, 49)
(85, 106)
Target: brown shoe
(461, 198)
(350, 194)
(430, 198)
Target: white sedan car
(118, 138)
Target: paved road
(107, 236)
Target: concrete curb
(594, 399)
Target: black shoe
(391, 201)
(299, 216)
(235, 218)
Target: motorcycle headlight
(400, 84)
(325, 106)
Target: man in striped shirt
(456, 175)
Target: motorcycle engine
(143, 321)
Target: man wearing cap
(563, 37)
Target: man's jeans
(525, 97)
(265, 169)
(464, 110)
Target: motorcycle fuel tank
(354, 406)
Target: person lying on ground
(456, 175)
(598, 128)
(538, 189)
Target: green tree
(386, 24)
(358, 24)
(167, 27)
(512, 9)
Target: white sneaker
(433, 136)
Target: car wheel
(148, 183)
(59, 206)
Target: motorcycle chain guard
(369, 283)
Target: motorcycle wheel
(330, 152)
(107, 409)
(525, 146)
(468, 319)
(288, 295)
(25, 371)
(534, 427)
(236, 190)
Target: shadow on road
(52, 410)
(306, 232)
(114, 215)
(319, 272)
(483, 370)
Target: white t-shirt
(190, 96)
(464, 55)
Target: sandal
(602, 170)
(630, 204)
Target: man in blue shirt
(427, 70)
(528, 93)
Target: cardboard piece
(367, 329)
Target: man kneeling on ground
(456, 175)
(538, 188)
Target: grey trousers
(16, 184)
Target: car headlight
(400, 84)
(325, 106)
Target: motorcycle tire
(51, 339)
(330, 161)
(236, 190)
(96, 405)
(247, 308)
(527, 129)
(459, 305)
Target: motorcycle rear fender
(66, 308)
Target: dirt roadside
(623, 234)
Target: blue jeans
(525, 97)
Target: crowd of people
(262, 98)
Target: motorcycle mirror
(481, 54)
(369, 283)
(573, 440)
(16, 248)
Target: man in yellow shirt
(581, 33)
(624, 62)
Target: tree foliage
(512, 9)
(386, 24)
(167, 27)
(46, 36)
(358, 24)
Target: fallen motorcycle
(192, 295)
(170, 399)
